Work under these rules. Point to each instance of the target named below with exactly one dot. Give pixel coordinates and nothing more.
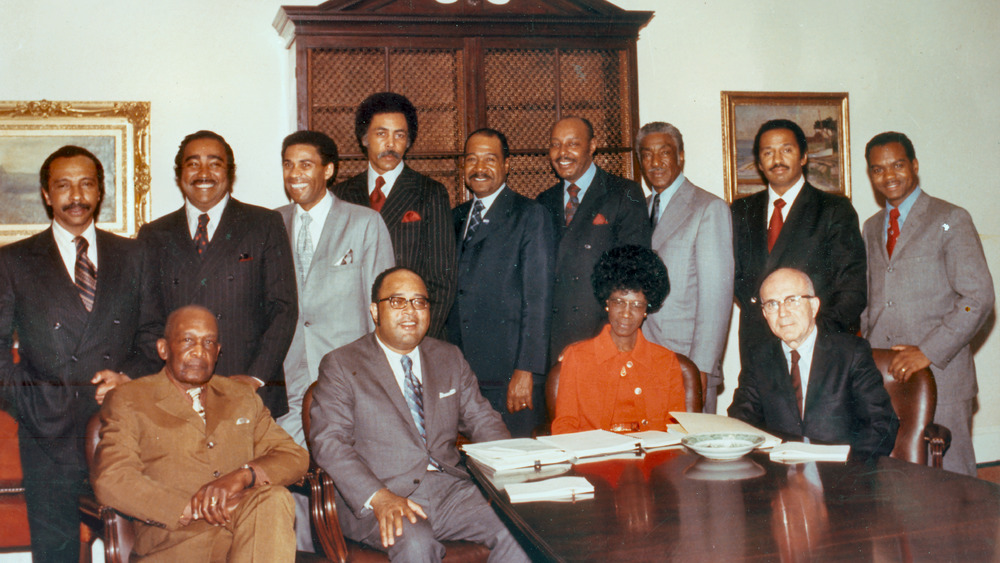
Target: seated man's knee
(269, 502)
(416, 544)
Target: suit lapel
(386, 379)
(109, 275)
(915, 220)
(876, 245)
(225, 241)
(170, 400)
(817, 372)
(401, 197)
(592, 201)
(58, 278)
(497, 215)
(802, 213)
(673, 216)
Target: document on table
(592, 443)
(654, 439)
(697, 423)
(798, 452)
(555, 489)
(502, 455)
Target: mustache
(777, 166)
(481, 176)
(77, 205)
(391, 153)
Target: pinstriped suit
(427, 245)
(246, 276)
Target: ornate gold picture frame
(116, 132)
(822, 116)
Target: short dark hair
(377, 284)
(323, 144)
(800, 136)
(586, 124)
(384, 102)
(69, 151)
(204, 134)
(631, 268)
(888, 137)
(494, 134)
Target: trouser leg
(263, 526)
(957, 416)
(52, 490)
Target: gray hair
(659, 127)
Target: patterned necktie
(893, 233)
(573, 190)
(304, 245)
(774, 227)
(654, 215)
(797, 380)
(196, 402)
(377, 198)
(475, 220)
(414, 393)
(85, 274)
(201, 235)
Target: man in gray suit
(386, 412)
(693, 234)
(339, 248)
(929, 287)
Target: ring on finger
(213, 501)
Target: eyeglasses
(396, 302)
(621, 304)
(792, 302)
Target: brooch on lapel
(945, 226)
(244, 257)
(411, 217)
(600, 220)
(242, 420)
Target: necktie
(475, 220)
(196, 402)
(654, 215)
(304, 245)
(893, 233)
(774, 227)
(797, 380)
(85, 274)
(573, 190)
(414, 393)
(201, 235)
(377, 198)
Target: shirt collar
(63, 236)
(320, 210)
(905, 207)
(214, 214)
(806, 348)
(790, 195)
(488, 200)
(668, 193)
(605, 348)
(584, 181)
(390, 178)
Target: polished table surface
(676, 506)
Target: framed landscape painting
(822, 116)
(116, 132)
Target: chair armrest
(938, 440)
(323, 506)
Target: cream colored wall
(925, 68)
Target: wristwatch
(253, 475)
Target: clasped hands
(215, 501)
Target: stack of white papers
(653, 439)
(797, 452)
(556, 489)
(696, 423)
(592, 443)
(502, 455)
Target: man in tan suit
(196, 458)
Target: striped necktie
(304, 246)
(573, 190)
(85, 274)
(196, 402)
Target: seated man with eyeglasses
(819, 385)
(386, 411)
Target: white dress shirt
(214, 216)
(789, 197)
(390, 178)
(66, 243)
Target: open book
(696, 423)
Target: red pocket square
(411, 216)
(600, 220)
(245, 257)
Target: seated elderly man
(819, 385)
(197, 458)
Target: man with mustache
(77, 297)
(233, 259)
(506, 254)
(792, 224)
(592, 211)
(414, 207)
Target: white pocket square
(448, 394)
(242, 420)
(347, 259)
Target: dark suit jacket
(62, 347)
(820, 237)
(364, 436)
(425, 245)
(612, 213)
(845, 402)
(500, 319)
(246, 277)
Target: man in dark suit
(811, 382)
(592, 212)
(233, 259)
(386, 412)
(794, 225)
(506, 254)
(76, 296)
(414, 207)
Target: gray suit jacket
(935, 293)
(362, 432)
(352, 250)
(694, 237)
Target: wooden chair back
(114, 529)
(914, 401)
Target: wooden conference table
(676, 506)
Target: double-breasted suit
(820, 237)
(845, 401)
(246, 277)
(935, 293)
(61, 348)
(694, 238)
(417, 213)
(612, 213)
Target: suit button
(177, 281)
(638, 390)
(461, 292)
(107, 356)
(416, 481)
(307, 324)
(576, 309)
(889, 304)
(210, 445)
(57, 326)
(890, 269)
(576, 278)
(117, 322)
(231, 278)
(216, 474)
(586, 246)
(74, 358)
(218, 316)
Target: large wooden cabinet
(517, 68)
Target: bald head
(789, 305)
(190, 346)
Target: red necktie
(893, 233)
(573, 202)
(201, 233)
(797, 380)
(377, 198)
(774, 227)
